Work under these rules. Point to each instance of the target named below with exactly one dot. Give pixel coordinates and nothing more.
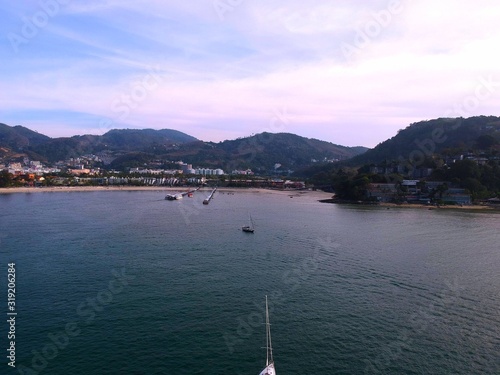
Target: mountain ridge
(424, 138)
(261, 151)
(415, 145)
(19, 139)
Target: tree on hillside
(5, 179)
(350, 187)
(486, 141)
(463, 169)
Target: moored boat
(173, 197)
(250, 227)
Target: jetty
(174, 197)
(207, 199)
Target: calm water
(352, 290)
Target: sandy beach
(474, 207)
(317, 194)
(311, 194)
(471, 207)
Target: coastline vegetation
(480, 181)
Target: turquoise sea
(129, 283)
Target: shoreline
(471, 207)
(474, 207)
(318, 195)
(66, 189)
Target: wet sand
(317, 194)
(471, 207)
(441, 207)
(312, 194)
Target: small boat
(250, 227)
(173, 197)
(269, 369)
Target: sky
(348, 72)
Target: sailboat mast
(269, 346)
(269, 370)
(269, 329)
(267, 335)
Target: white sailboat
(269, 369)
(250, 227)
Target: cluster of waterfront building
(81, 166)
(77, 171)
(183, 169)
(422, 171)
(415, 191)
(27, 167)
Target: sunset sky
(348, 72)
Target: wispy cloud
(224, 77)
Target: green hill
(19, 140)
(134, 147)
(18, 137)
(464, 153)
(418, 143)
(263, 152)
(142, 139)
(438, 136)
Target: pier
(173, 197)
(207, 200)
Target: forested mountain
(132, 147)
(19, 139)
(464, 153)
(265, 151)
(437, 136)
(419, 142)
